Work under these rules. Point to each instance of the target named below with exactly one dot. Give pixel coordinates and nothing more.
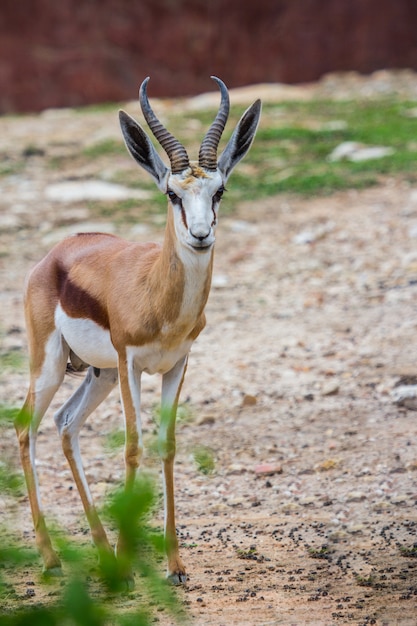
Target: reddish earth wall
(73, 52)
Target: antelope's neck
(186, 276)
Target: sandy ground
(309, 516)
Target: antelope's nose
(200, 234)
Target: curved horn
(207, 156)
(175, 150)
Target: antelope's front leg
(171, 387)
(130, 388)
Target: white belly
(87, 339)
(93, 345)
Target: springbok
(120, 308)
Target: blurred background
(72, 52)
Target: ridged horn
(175, 150)
(207, 157)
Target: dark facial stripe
(184, 217)
(78, 303)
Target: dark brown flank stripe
(78, 303)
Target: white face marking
(87, 339)
(198, 209)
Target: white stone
(81, 190)
(354, 151)
(405, 395)
(219, 281)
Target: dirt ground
(309, 516)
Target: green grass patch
(409, 551)
(12, 360)
(115, 440)
(291, 149)
(204, 459)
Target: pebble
(330, 389)
(290, 507)
(356, 529)
(326, 465)
(219, 281)
(355, 496)
(381, 506)
(249, 400)
(268, 469)
(308, 501)
(400, 499)
(406, 396)
(236, 468)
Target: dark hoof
(177, 578)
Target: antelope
(116, 309)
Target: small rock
(330, 389)
(356, 496)
(338, 535)
(400, 499)
(381, 505)
(249, 400)
(326, 465)
(236, 468)
(406, 396)
(356, 529)
(219, 281)
(306, 236)
(290, 507)
(207, 420)
(236, 502)
(313, 235)
(308, 501)
(268, 469)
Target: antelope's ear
(142, 150)
(241, 140)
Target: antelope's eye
(218, 195)
(173, 196)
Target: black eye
(218, 195)
(173, 197)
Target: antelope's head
(194, 190)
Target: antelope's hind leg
(95, 387)
(45, 381)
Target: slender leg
(69, 420)
(130, 388)
(43, 387)
(171, 387)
